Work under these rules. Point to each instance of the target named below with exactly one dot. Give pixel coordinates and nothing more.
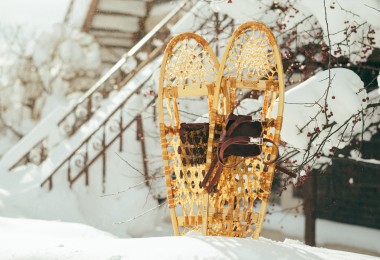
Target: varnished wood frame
(228, 102)
(172, 93)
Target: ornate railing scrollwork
(96, 144)
(36, 155)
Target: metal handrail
(69, 10)
(89, 137)
(125, 57)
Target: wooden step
(112, 33)
(133, 8)
(121, 23)
(115, 42)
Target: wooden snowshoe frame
(251, 63)
(188, 71)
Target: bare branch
(142, 214)
(372, 7)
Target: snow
(303, 104)
(291, 224)
(191, 20)
(357, 158)
(56, 61)
(355, 13)
(38, 12)
(45, 129)
(34, 239)
(353, 18)
(78, 13)
(22, 197)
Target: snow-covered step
(112, 34)
(121, 23)
(116, 42)
(133, 8)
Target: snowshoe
(238, 182)
(186, 88)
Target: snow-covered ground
(36, 239)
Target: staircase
(64, 122)
(80, 140)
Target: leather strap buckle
(256, 118)
(256, 140)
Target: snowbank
(305, 107)
(27, 239)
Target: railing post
(50, 183)
(69, 172)
(89, 108)
(86, 166)
(68, 12)
(90, 15)
(140, 137)
(104, 163)
(121, 127)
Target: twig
(372, 8)
(142, 214)
(329, 59)
(130, 165)
(131, 187)
(10, 127)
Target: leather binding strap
(242, 137)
